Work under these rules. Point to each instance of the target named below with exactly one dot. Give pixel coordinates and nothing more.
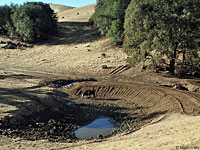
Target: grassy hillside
(59, 8)
(81, 14)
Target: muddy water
(98, 128)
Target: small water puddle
(99, 127)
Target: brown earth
(152, 111)
(59, 8)
(81, 14)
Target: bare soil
(59, 8)
(41, 104)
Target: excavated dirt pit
(53, 114)
(58, 111)
(59, 123)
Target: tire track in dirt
(185, 99)
(120, 69)
(154, 99)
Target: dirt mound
(151, 100)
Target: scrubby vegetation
(32, 21)
(109, 17)
(167, 32)
(164, 32)
(6, 25)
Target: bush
(102, 17)
(164, 29)
(34, 21)
(109, 17)
(5, 20)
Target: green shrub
(109, 17)
(5, 20)
(33, 21)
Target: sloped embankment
(54, 112)
(151, 99)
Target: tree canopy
(109, 17)
(165, 31)
(32, 21)
(5, 20)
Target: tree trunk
(182, 73)
(173, 60)
(172, 66)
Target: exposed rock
(2, 42)
(103, 55)
(104, 67)
(10, 46)
(89, 45)
(9, 42)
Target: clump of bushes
(32, 21)
(109, 17)
(165, 31)
(5, 19)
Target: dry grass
(78, 51)
(59, 8)
(81, 14)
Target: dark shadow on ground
(197, 77)
(74, 33)
(17, 76)
(107, 99)
(154, 115)
(50, 116)
(15, 97)
(53, 115)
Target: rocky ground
(41, 104)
